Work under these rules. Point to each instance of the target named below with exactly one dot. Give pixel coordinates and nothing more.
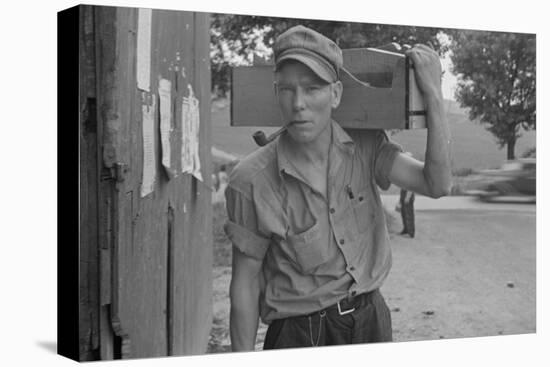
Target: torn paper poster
(149, 166)
(190, 117)
(143, 66)
(166, 127)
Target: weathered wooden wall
(155, 252)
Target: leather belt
(348, 304)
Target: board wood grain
(379, 93)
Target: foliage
(530, 153)
(235, 39)
(496, 80)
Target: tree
(497, 81)
(236, 38)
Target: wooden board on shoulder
(380, 92)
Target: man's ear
(336, 89)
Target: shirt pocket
(363, 210)
(310, 249)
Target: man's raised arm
(433, 177)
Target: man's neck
(311, 160)
(315, 152)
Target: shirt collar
(340, 139)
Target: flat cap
(311, 48)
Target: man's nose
(298, 102)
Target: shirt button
(342, 241)
(352, 268)
(332, 210)
(353, 293)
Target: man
(304, 215)
(406, 207)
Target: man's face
(305, 100)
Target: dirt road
(466, 273)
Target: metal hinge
(116, 173)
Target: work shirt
(315, 250)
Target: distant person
(215, 182)
(218, 196)
(406, 205)
(406, 201)
(222, 176)
(310, 242)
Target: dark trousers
(369, 323)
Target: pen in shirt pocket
(350, 192)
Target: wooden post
(146, 259)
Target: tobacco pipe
(261, 139)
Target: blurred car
(515, 178)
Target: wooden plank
(199, 262)
(181, 240)
(371, 66)
(152, 233)
(113, 135)
(106, 337)
(416, 108)
(376, 93)
(189, 261)
(139, 278)
(253, 100)
(182, 192)
(385, 108)
(170, 284)
(108, 85)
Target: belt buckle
(344, 312)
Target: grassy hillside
(234, 140)
(473, 146)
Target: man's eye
(312, 88)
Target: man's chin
(301, 136)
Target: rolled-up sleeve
(242, 225)
(384, 156)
